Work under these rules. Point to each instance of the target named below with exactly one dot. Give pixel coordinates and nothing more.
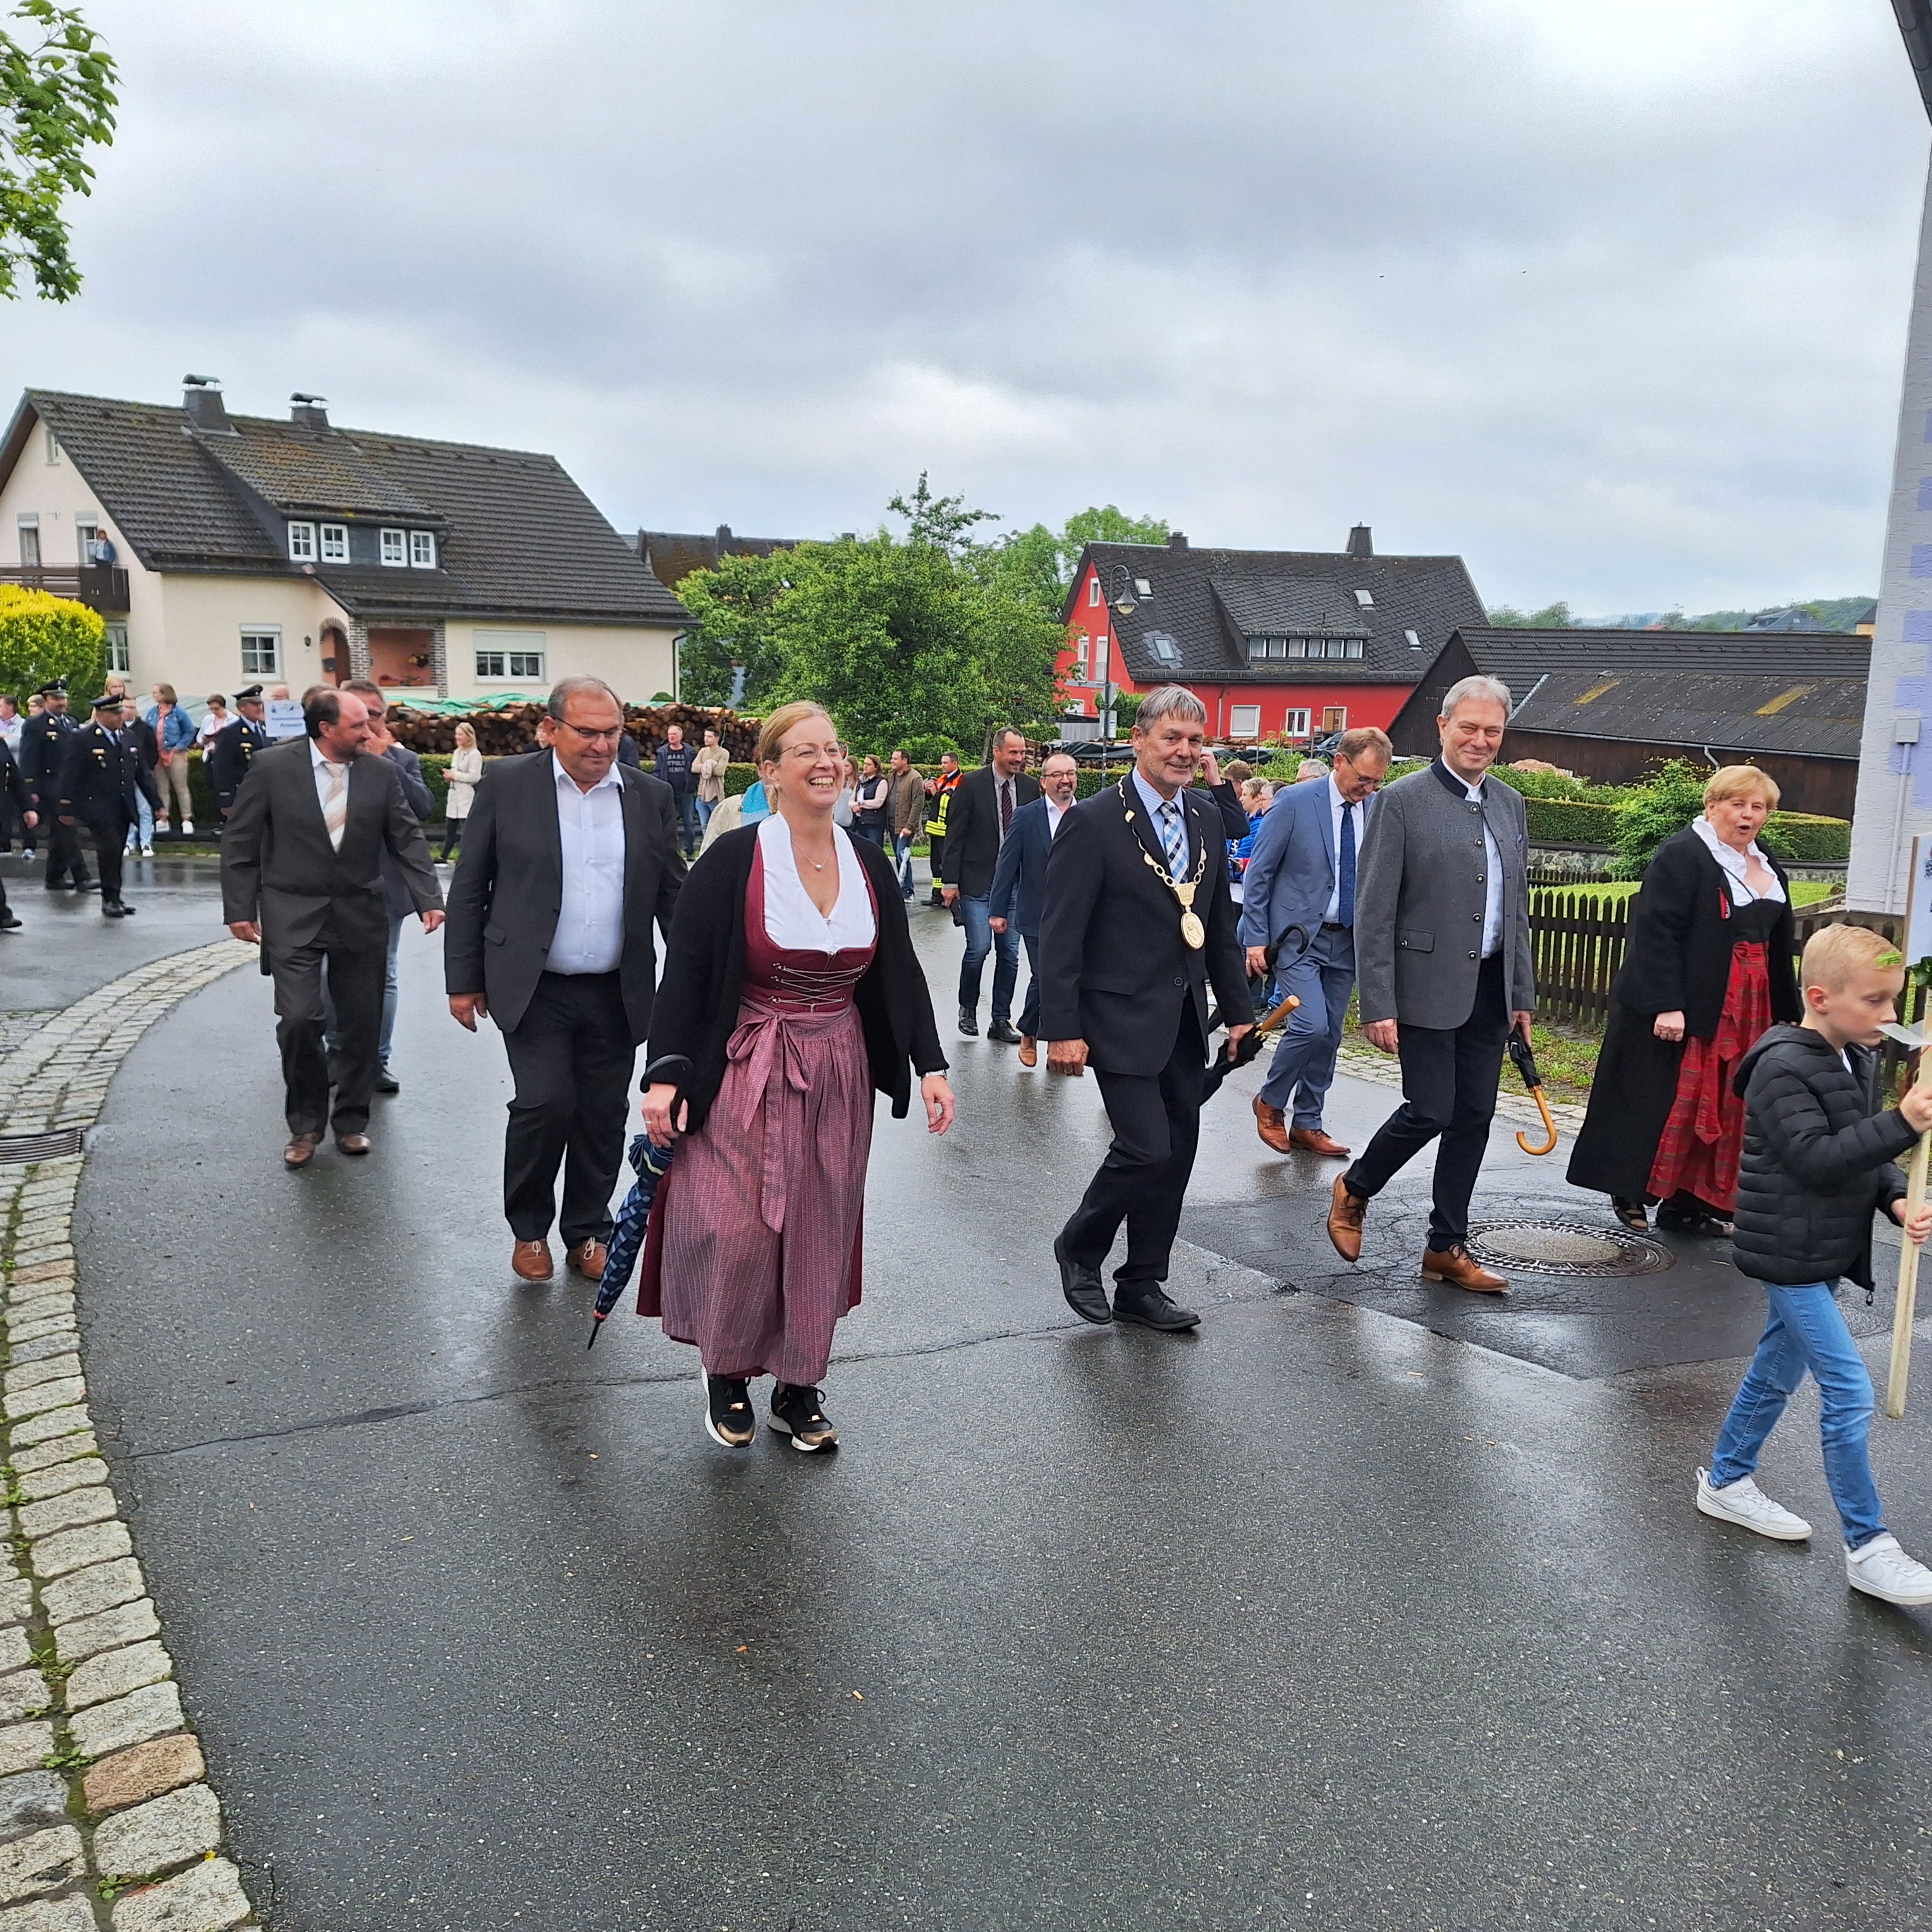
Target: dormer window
(334, 539)
(422, 549)
(301, 543)
(395, 548)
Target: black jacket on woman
(1678, 960)
(697, 1008)
(1819, 1158)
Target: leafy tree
(1667, 803)
(1105, 523)
(57, 98)
(734, 605)
(44, 637)
(1551, 617)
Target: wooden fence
(1579, 940)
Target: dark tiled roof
(1751, 710)
(517, 536)
(672, 555)
(1520, 657)
(1209, 602)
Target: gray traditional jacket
(1419, 904)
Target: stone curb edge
(106, 1817)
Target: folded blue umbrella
(649, 1163)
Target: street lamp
(1117, 574)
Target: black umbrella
(1293, 941)
(649, 1163)
(1525, 1065)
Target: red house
(1277, 643)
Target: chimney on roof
(724, 538)
(201, 399)
(1360, 544)
(1176, 540)
(309, 411)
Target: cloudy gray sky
(1610, 299)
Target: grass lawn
(1803, 892)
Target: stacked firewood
(501, 734)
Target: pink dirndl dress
(761, 1214)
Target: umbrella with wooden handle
(1525, 1065)
(1909, 1251)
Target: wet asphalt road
(1320, 1617)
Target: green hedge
(1803, 839)
(1799, 837)
(1558, 821)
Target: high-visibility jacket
(947, 782)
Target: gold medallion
(1192, 931)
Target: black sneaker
(728, 1419)
(969, 1022)
(798, 1413)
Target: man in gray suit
(301, 877)
(1442, 947)
(1299, 895)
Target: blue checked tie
(1173, 839)
(1345, 894)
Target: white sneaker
(187, 828)
(1881, 1569)
(147, 851)
(1744, 1503)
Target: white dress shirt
(1055, 813)
(1492, 873)
(322, 767)
(791, 920)
(1733, 862)
(590, 911)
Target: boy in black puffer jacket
(1818, 1157)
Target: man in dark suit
(1139, 926)
(978, 821)
(234, 749)
(13, 794)
(567, 858)
(43, 744)
(1019, 881)
(100, 788)
(302, 876)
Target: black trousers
(358, 968)
(109, 836)
(571, 1055)
(65, 859)
(1449, 1077)
(1156, 1122)
(1030, 1013)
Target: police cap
(251, 695)
(56, 688)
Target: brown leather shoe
(352, 1143)
(1029, 1050)
(301, 1150)
(1453, 1266)
(587, 1258)
(531, 1260)
(1345, 1216)
(1312, 1140)
(1271, 1123)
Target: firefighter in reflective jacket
(939, 802)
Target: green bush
(1803, 839)
(1558, 821)
(44, 637)
(1667, 804)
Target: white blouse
(1733, 862)
(791, 919)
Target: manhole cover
(1565, 1248)
(18, 1150)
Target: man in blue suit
(1301, 874)
(1019, 895)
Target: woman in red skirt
(791, 989)
(1708, 970)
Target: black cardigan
(697, 1007)
(1679, 955)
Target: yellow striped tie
(335, 806)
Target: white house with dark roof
(227, 550)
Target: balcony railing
(102, 586)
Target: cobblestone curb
(106, 1820)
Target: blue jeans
(981, 939)
(142, 832)
(689, 822)
(902, 853)
(1303, 1067)
(874, 834)
(1807, 1330)
(331, 1042)
(706, 807)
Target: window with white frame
(86, 535)
(1080, 659)
(261, 651)
(1244, 721)
(1094, 592)
(1415, 642)
(115, 637)
(510, 654)
(1294, 724)
(422, 549)
(395, 547)
(53, 447)
(301, 543)
(334, 541)
(1365, 599)
(1354, 647)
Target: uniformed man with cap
(43, 741)
(235, 746)
(99, 778)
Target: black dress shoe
(87, 885)
(58, 885)
(8, 923)
(1004, 1032)
(1086, 1293)
(1144, 1302)
(969, 1022)
(386, 1082)
(113, 909)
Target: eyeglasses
(805, 753)
(590, 737)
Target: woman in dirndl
(1708, 970)
(791, 988)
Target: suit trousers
(571, 1056)
(355, 968)
(65, 858)
(1156, 1122)
(109, 835)
(1030, 1013)
(1449, 1079)
(1303, 1067)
